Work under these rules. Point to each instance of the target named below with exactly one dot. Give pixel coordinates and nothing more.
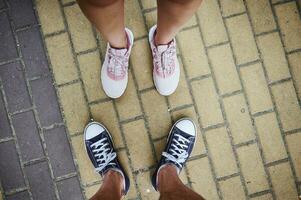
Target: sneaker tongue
(119, 52)
(162, 48)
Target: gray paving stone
(59, 152)
(40, 182)
(15, 88)
(19, 196)
(2, 5)
(22, 12)
(45, 100)
(33, 52)
(7, 47)
(70, 189)
(10, 169)
(28, 136)
(4, 124)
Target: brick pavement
(240, 81)
(36, 159)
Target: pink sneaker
(166, 70)
(114, 72)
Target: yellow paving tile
(138, 142)
(273, 57)
(243, 42)
(194, 58)
(105, 114)
(221, 152)
(283, 181)
(232, 189)
(239, 119)
(211, 23)
(145, 186)
(159, 147)
(202, 179)
(295, 62)
(294, 147)
(50, 16)
(256, 88)
(191, 22)
(142, 64)
(252, 168)
(134, 18)
(224, 69)
(90, 65)
(74, 107)
(207, 102)
(199, 147)
(61, 58)
(157, 114)
(181, 96)
(80, 29)
(270, 137)
(230, 7)
(147, 4)
(287, 105)
(263, 197)
(87, 170)
(91, 190)
(290, 25)
(151, 18)
(261, 15)
(128, 105)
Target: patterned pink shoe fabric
(163, 58)
(118, 60)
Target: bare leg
(108, 17)
(111, 188)
(171, 187)
(172, 14)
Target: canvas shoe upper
(180, 143)
(99, 146)
(166, 70)
(114, 71)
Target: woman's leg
(111, 188)
(108, 17)
(172, 14)
(171, 187)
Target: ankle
(159, 40)
(113, 182)
(168, 179)
(119, 42)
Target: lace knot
(178, 150)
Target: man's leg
(171, 187)
(108, 17)
(111, 187)
(172, 14)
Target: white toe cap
(93, 130)
(187, 126)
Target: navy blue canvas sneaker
(100, 148)
(180, 143)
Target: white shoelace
(164, 61)
(103, 154)
(118, 63)
(178, 150)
